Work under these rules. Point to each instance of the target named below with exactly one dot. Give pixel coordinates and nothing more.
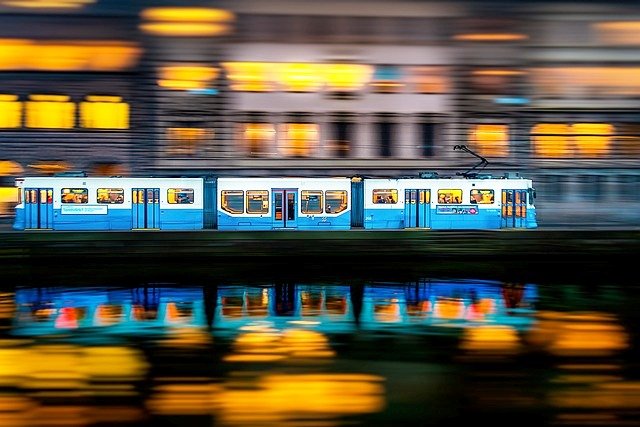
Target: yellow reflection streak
(578, 334)
(498, 340)
(47, 4)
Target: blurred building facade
(549, 89)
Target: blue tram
(275, 203)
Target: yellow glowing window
(187, 77)
(26, 54)
(300, 139)
(565, 140)
(186, 21)
(50, 112)
(257, 137)
(300, 77)
(74, 195)
(450, 196)
(250, 76)
(110, 195)
(592, 139)
(385, 196)
(490, 140)
(347, 77)
(10, 111)
(552, 140)
(104, 112)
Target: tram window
(381, 196)
(257, 201)
(75, 195)
(336, 201)
(180, 196)
(19, 193)
(482, 197)
(311, 202)
(232, 201)
(450, 196)
(110, 195)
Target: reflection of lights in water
(273, 399)
(270, 345)
(578, 334)
(72, 370)
(490, 340)
(587, 390)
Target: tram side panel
(283, 204)
(80, 203)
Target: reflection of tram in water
(331, 308)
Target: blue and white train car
(449, 203)
(116, 203)
(283, 203)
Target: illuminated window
(490, 140)
(579, 139)
(592, 139)
(104, 112)
(250, 76)
(257, 138)
(481, 197)
(341, 78)
(424, 79)
(336, 201)
(186, 21)
(75, 195)
(110, 195)
(300, 77)
(551, 140)
(382, 196)
(232, 201)
(312, 202)
(10, 111)
(187, 140)
(187, 77)
(63, 55)
(50, 112)
(449, 196)
(180, 196)
(299, 139)
(257, 201)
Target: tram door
(145, 208)
(416, 208)
(285, 208)
(514, 208)
(38, 208)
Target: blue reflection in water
(422, 353)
